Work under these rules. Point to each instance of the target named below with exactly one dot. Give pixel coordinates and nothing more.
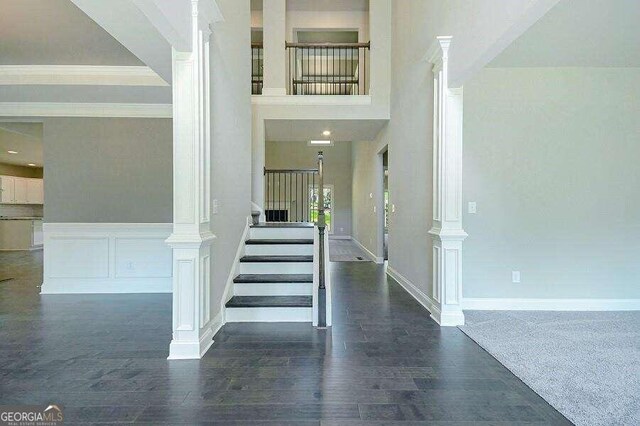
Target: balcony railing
(257, 68)
(327, 68)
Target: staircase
(275, 280)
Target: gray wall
(231, 138)
(408, 135)
(108, 170)
(337, 172)
(27, 172)
(365, 182)
(551, 158)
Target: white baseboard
(499, 304)
(107, 258)
(376, 259)
(417, 294)
(197, 349)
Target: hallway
(103, 358)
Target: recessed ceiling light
(31, 164)
(326, 133)
(12, 152)
(320, 142)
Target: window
(328, 205)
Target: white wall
(337, 172)
(550, 156)
(231, 139)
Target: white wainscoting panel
(107, 258)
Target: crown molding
(69, 109)
(95, 75)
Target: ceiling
(55, 32)
(579, 33)
(21, 137)
(321, 5)
(305, 130)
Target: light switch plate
(473, 208)
(393, 208)
(515, 276)
(215, 207)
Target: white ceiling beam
(131, 27)
(79, 75)
(73, 109)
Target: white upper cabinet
(17, 190)
(7, 189)
(35, 191)
(20, 191)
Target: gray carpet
(346, 251)
(585, 364)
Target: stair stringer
(235, 270)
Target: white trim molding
(417, 294)
(353, 100)
(500, 304)
(377, 259)
(75, 109)
(76, 75)
(106, 258)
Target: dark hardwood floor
(103, 358)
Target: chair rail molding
(191, 240)
(447, 233)
(94, 75)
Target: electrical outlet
(215, 207)
(341, 229)
(473, 209)
(515, 276)
(130, 266)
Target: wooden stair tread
(276, 258)
(273, 278)
(269, 302)
(264, 241)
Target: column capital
(439, 50)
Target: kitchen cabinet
(20, 191)
(7, 189)
(35, 191)
(21, 234)
(17, 190)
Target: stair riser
(276, 268)
(268, 314)
(281, 233)
(272, 289)
(276, 249)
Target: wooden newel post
(322, 291)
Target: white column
(447, 231)
(191, 238)
(274, 16)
